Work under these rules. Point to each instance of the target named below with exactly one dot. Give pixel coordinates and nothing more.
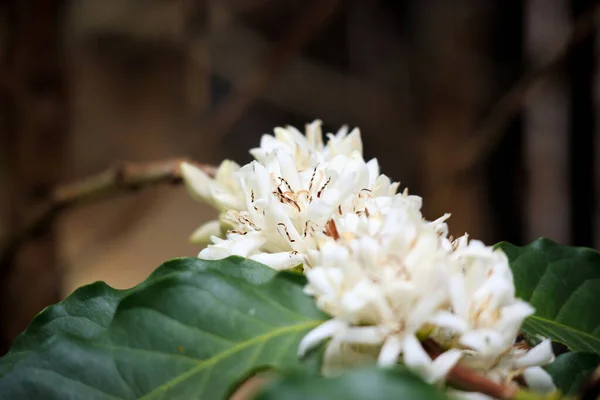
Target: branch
(466, 378)
(120, 178)
(492, 128)
(250, 388)
(463, 377)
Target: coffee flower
(392, 277)
(272, 206)
(485, 317)
(484, 314)
(383, 280)
(389, 279)
(221, 192)
(516, 361)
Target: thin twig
(257, 81)
(466, 378)
(120, 178)
(492, 129)
(250, 388)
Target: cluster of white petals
(390, 279)
(271, 207)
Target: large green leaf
(192, 330)
(86, 313)
(362, 384)
(563, 284)
(570, 370)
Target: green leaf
(193, 329)
(570, 370)
(361, 384)
(563, 284)
(86, 314)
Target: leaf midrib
(567, 328)
(238, 347)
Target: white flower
(222, 192)
(484, 311)
(383, 280)
(527, 363)
(386, 276)
(485, 317)
(292, 190)
(391, 275)
(306, 149)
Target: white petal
(333, 359)
(215, 252)
(448, 320)
(197, 181)
(497, 288)
(247, 244)
(362, 335)
(417, 360)
(390, 351)
(334, 255)
(203, 234)
(373, 167)
(458, 294)
(541, 354)
(324, 280)
(354, 301)
(258, 178)
(538, 380)
(235, 245)
(268, 143)
(483, 340)
(341, 133)
(314, 136)
(444, 363)
(226, 170)
(289, 171)
(513, 316)
(322, 332)
(278, 261)
(354, 142)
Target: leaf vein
(238, 347)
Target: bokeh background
(485, 108)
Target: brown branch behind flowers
(459, 377)
(467, 379)
(123, 177)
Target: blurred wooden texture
(145, 77)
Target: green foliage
(362, 384)
(570, 370)
(563, 284)
(193, 329)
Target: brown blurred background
(485, 108)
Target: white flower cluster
(394, 283)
